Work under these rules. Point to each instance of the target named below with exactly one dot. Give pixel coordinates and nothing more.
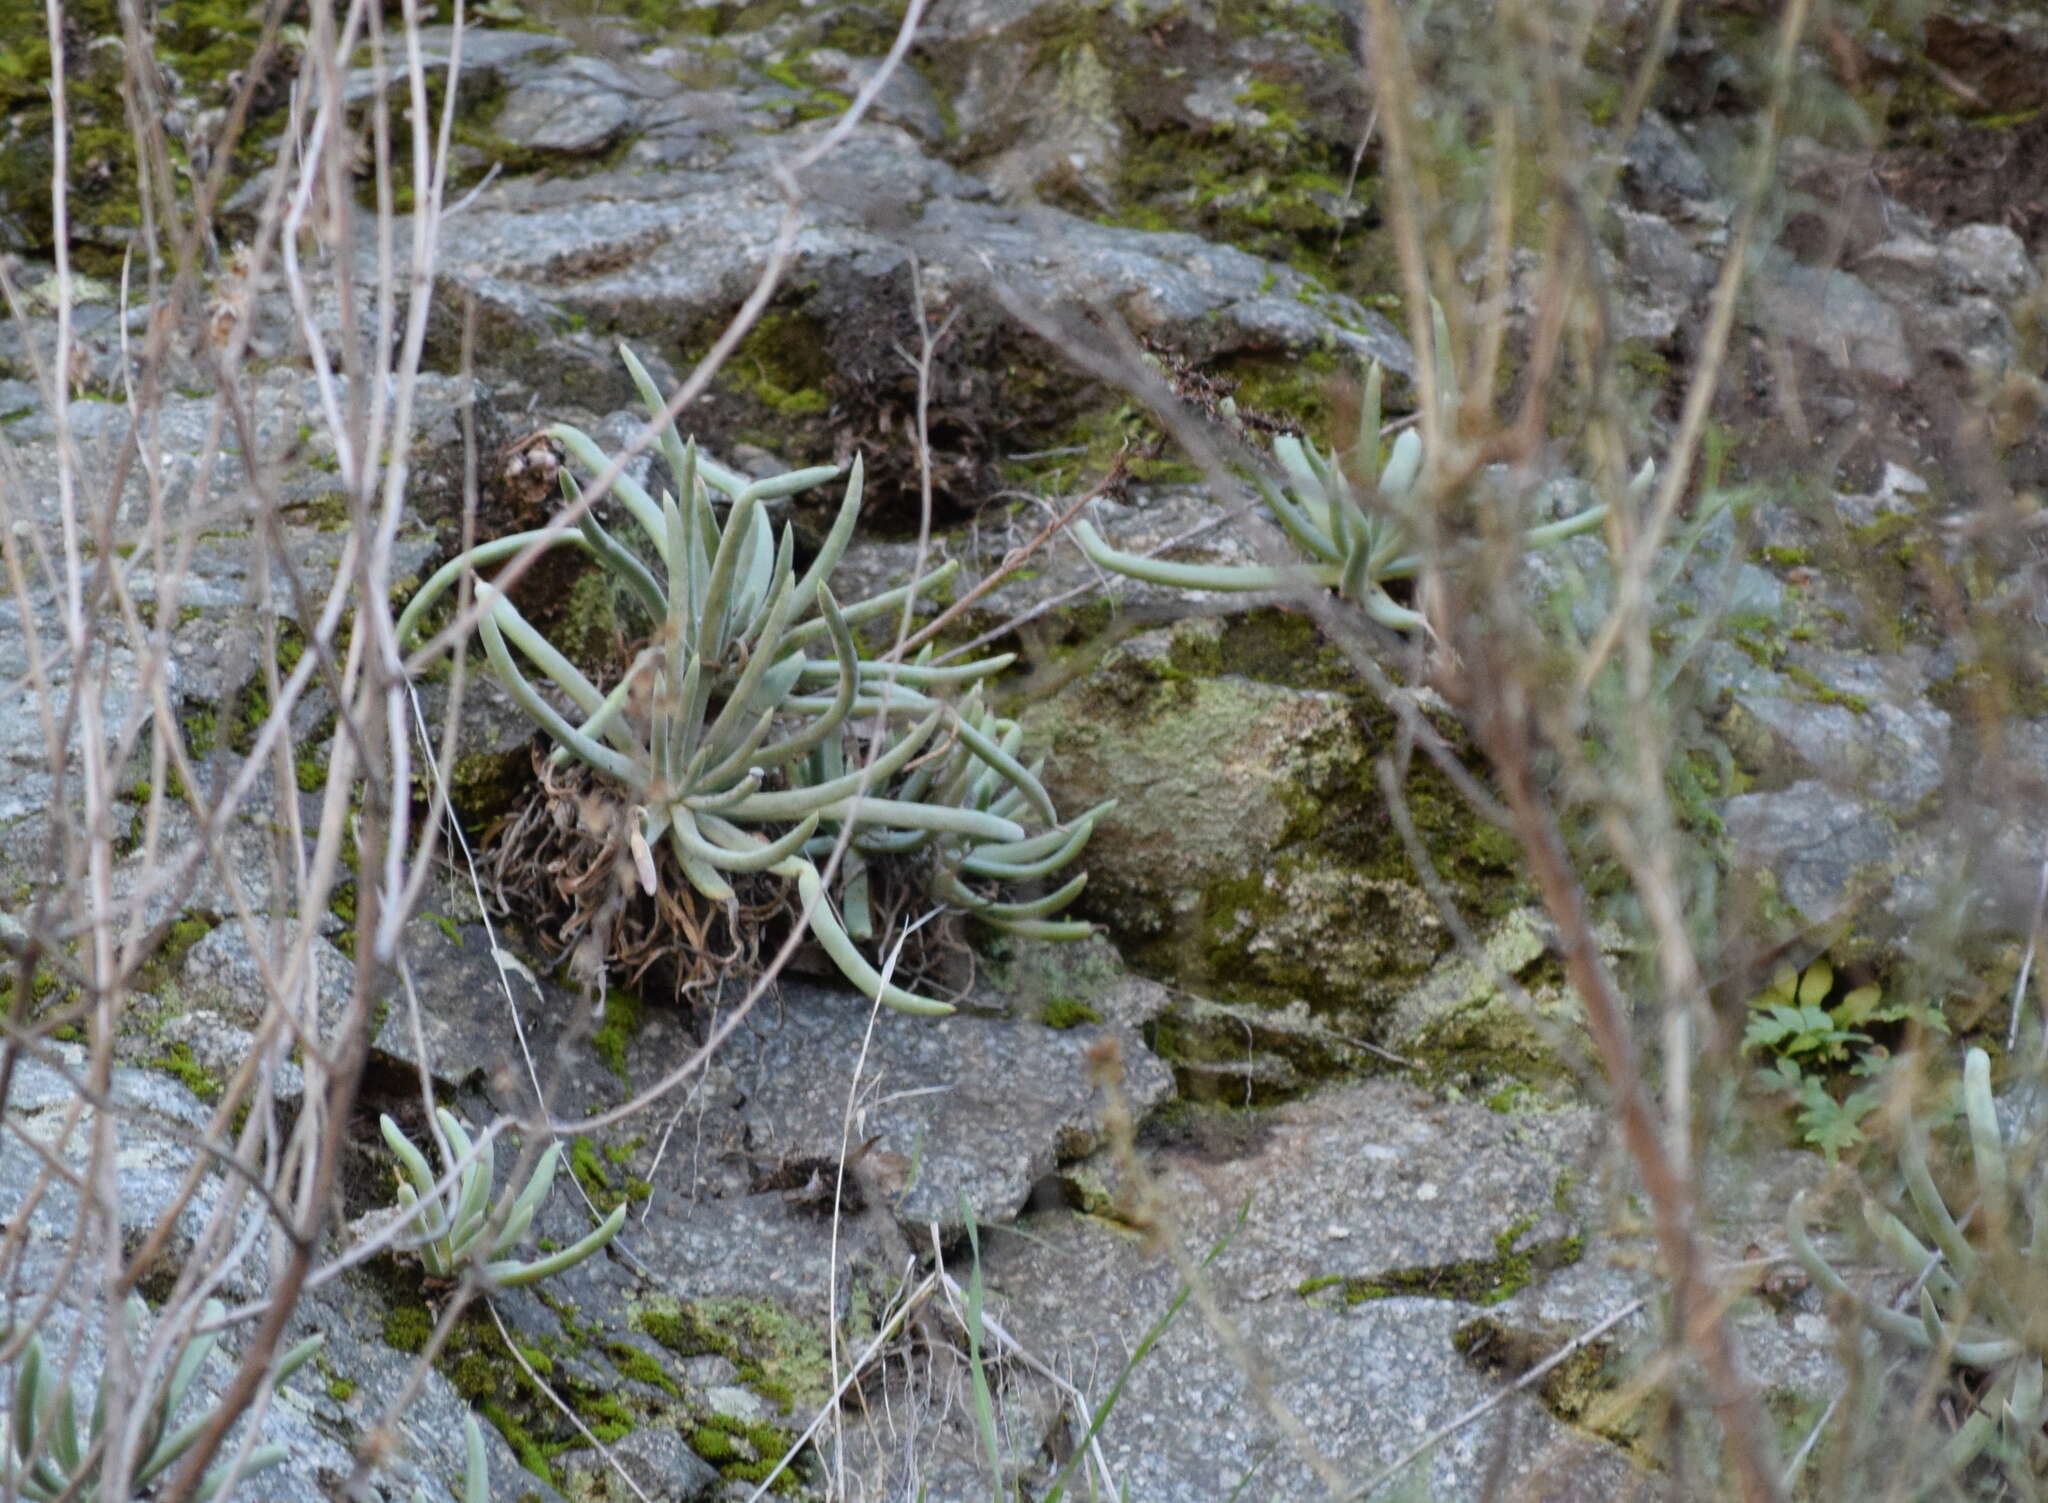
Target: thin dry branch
(1504, 725)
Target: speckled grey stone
(1823, 847)
(979, 1108)
(1835, 314)
(581, 105)
(1357, 1182)
(1875, 735)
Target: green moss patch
(201, 50)
(781, 371)
(607, 1185)
(581, 1367)
(178, 1062)
(780, 1356)
(1477, 1281)
(745, 1452)
(622, 1019)
(1068, 1012)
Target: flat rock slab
(979, 1108)
(159, 1124)
(1344, 1197)
(681, 247)
(1824, 848)
(983, 1107)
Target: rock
(969, 1109)
(488, 56)
(1387, 1198)
(154, 1146)
(223, 973)
(579, 106)
(2000, 54)
(223, 1000)
(1064, 983)
(159, 1122)
(660, 1463)
(1951, 291)
(1974, 260)
(1972, 332)
(1461, 1012)
(466, 989)
(608, 247)
(1401, 1257)
(1245, 1055)
(1199, 768)
(1845, 210)
(1819, 849)
(1861, 724)
(494, 745)
(980, 1106)
(1907, 266)
(1666, 174)
(1665, 274)
(1788, 1347)
(356, 1314)
(1239, 857)
(1900, 493)
(27, 786)
(1076, 142)
(906, 99)
(1836, 314)
(1990, 259)
(1171, 116)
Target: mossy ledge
(614, 1385)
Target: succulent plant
(1349, 511)
(729, 739)
(979, 774)
(49, 1456)
(450, 1240)
(1975, 1296)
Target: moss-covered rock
(781, 1356)
(1250, 857)
(1467, 1028)
(1239, 120)
(198, 56)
